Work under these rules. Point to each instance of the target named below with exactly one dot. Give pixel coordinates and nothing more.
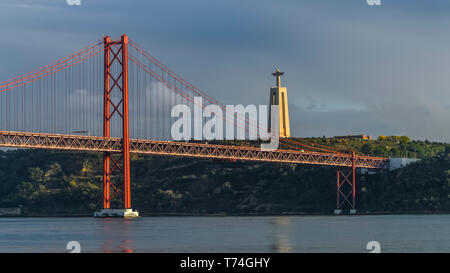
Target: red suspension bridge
(121, 97)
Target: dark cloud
(350, 68)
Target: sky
(350, 68)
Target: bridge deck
(170, 148)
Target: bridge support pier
(346, 188)
(116, 53)
(116, 213)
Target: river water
(394, 233)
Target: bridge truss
(184, 149)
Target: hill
(54, 182)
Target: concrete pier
(117, 213)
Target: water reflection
(396, 233)
(280, 229)
(116, 235)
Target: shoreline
(165, 214)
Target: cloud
(350, 68)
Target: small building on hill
(364, 137)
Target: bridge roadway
(184, 149)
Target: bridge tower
(346, 187)
(278, 96)
(116, 53)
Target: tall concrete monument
(278, 96)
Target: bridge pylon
(116, 53)
(346, 187)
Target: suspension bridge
(121, 97)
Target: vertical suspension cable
(146, 135)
